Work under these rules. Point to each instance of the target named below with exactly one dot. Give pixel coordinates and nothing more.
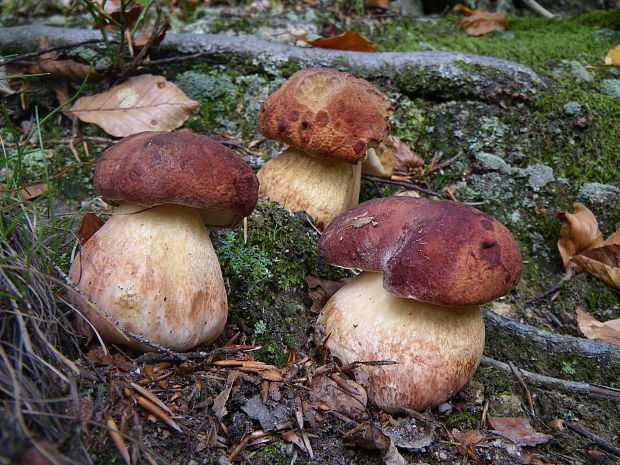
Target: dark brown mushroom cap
(436, 251)
(156, 168)
(326, 113)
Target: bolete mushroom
(330, 120)
(151, 269)
(429, 265)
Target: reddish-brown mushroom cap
(436, 251)
(156, 168)
(326, 113)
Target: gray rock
(491, 162)
(572, 108)
(611, 87)
(597, 193)
(576, 69)
(538, 175)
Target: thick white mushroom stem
(437, 348)
(154, 272)
(323, 187)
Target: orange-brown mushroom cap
(437, 251)
(156, 168)
(326, 113)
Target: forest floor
(264, 392)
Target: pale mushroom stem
(437, 349)
(154, 272)
(323, 187)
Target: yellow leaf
(602, 262)
(143, 103)
(613, 56)
(608, 331)
(578, 233)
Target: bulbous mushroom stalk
(437, 349)
(152, 272)
(151, 269)
(438, 260)
(322, 114)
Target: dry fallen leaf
(349, 40)
(321, 290)
(406, 160)
(614, 239)
(613, 56)
(143, 38)
(345, 396)
(143, 103)
(467, 438)
(602, 262)
(518, 430)
(578, 233)
(479, 22)
(590, 327)
(31, 192)
(90, 225)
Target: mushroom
(151, 269)
(331, 121)
(429, 265)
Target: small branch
(535, 6)
(593, 437)
(37, 53)
(517, 372)
(165, 357)
(408, 185)
(556, 383)
(552, 290)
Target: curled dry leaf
(349, 398)
(143, 38)
(613, 56)
(602, 262)
(406, 160)
(479, 22)
(518, 430)
(578, 233)
(590, 327)
(90, 225)
(143, 103)
(349, 40)
(321, 290)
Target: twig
(552, 290)
(408, 185)
(36, 53)
(593, 437)
(556, 383)
(152, 358)
(158, 28)
(535, 6)
(517, 373)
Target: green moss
(529, 40)
(277, 453)
(467, 420)
(265, 277)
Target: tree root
(435, 75)
(551, 354)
